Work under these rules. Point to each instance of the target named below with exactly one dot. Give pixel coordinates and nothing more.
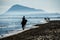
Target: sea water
(13, 23)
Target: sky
(52, 6)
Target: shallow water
(8, 24)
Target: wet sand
(47, 31)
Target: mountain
(21, 8)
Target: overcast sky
(47, 5)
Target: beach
(47, 31)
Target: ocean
(13, 23)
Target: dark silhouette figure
(47, 19)
(23, 23)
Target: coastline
(15, 32)
(49, 30)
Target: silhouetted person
(47, 19)
(23, 23)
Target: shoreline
(48, 29)
(15, 32)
